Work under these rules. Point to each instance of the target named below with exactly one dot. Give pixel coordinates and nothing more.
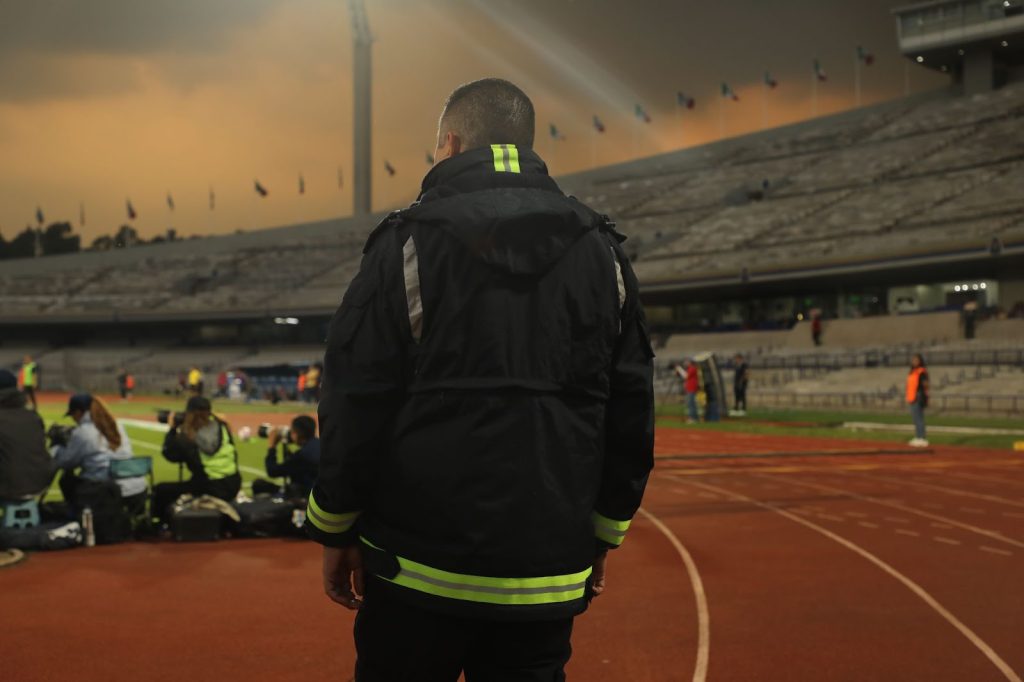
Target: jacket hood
(518, 223)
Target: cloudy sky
(106, 100)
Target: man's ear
(454, 143)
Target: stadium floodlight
(286, 320)
(956, 288)
(983, 285)
(1005, 43)
(920, 59)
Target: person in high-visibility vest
(917, 398)
(202, 442)
(29, 380)
(195, 381)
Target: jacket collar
(476, 162)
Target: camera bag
(46, 536)
(196, 525)
(264, 516)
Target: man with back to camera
(487, 417)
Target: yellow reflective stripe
(611, 531)
(499, 157)
(486, 589)
(513, 158)
(326, 521)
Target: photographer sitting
(299, 466)
(202, 442)
(25, 466)
(90, 447)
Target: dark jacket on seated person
(299, 467)
(25, 465)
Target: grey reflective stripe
(621, 284)
(505, 158)
(608, 529)
(491, 590)
(412, 288)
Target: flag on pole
(684, 100)
(430, 159)
(598, 124)
(132, 215)
(390, 169)
(769, 81)
(39, 215)
(555, 133)
(727, 91)
(81, 213)
(819, 72)
(865, 58)
(260, 189)
(170, 202)
(213, 198)
(641, 113)
(302, 184)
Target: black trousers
(396, 642)
(741, 397)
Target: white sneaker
(918, 443)
(913, 442)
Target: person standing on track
(691, 386)
(741, 378)
(487, 413)
(917, 398)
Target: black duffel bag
(265, 516)
(45, 536)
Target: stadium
(787, 539)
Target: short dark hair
(305, 426)
(489, 111)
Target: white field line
(950, 491)
(995, 550)
(910, 510)
(947, 541)
(700, 670)
(911, 533)
(921, 593)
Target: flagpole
(636, 137)
(593, 146)
(814, 95)
(764, 105)
(721, 116)
(856, 79)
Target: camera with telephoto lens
(59, 434)
(168, 417)
(264, 431)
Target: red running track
(831, 565)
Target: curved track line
(928, 599)
(991, 534)
(700, 670)
(951, 491)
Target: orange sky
(267, 95)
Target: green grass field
(827, 424)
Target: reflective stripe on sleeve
(611, 531)
(326, 521)
(486, 589)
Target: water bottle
(298, 517)
(87, 528)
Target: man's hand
(273, 438)
(343, 575)
(597, 578)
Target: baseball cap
(79, 401)
(197, 403)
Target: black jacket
(488, 406)
(299, 466)
(26, 468)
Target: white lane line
(972, 510)
(700, 670)
(896, 519)
(951, 491)
(991, 534)
(911, 533)
(867, 524)
(948, 541)
(995, 550)
(936, 524)
(829, 517)
(928, 599)
(1013, 515)
(856, 515)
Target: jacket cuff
(329, 528)
(608, 531)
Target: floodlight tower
(362, 103)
